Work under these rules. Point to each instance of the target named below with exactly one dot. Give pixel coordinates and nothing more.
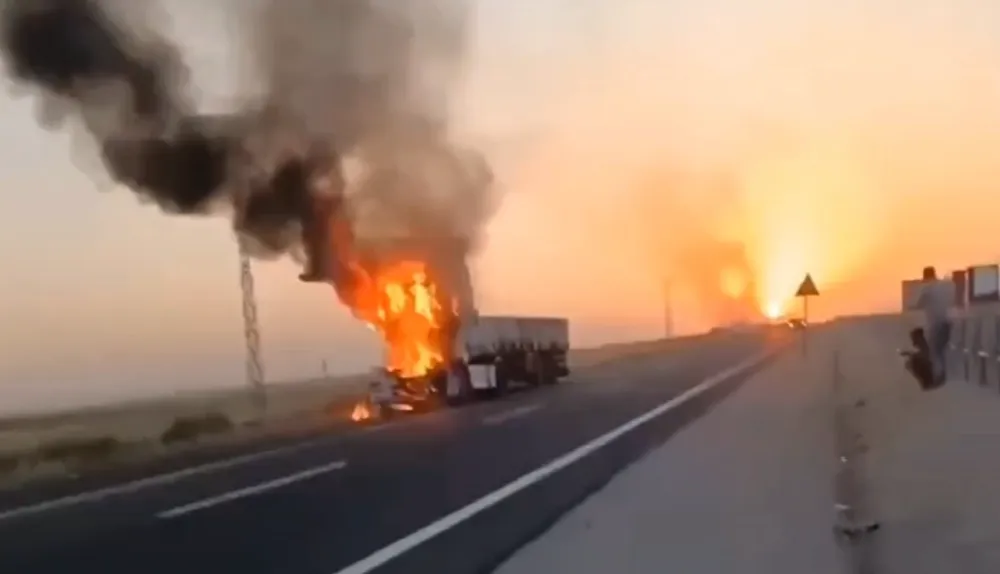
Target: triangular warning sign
(807, 288)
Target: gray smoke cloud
(359, 82)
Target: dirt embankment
(80, 441)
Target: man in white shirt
(935, 299)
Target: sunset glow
(773, 310)
(738, 161)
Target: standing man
(936, 297)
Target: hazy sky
(854, 139)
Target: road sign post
(806, 290)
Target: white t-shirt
(936, 298)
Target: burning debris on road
(344, 81)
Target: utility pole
(668, 310)
(251, 332)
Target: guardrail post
(954, 348)
(986, 349)
(996, 351)
(995, 346)
(958, 347)
(972, 351)
(980, 355)
(967, 350)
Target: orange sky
(853, 141)
(858, 140)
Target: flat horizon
(726, 150)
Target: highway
(454, 491)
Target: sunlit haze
(713, 150)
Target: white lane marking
(176, 476)
(251, 490)
(411, 541)
(502, 417)
(136, 485)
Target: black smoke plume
(342, 77)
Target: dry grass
(78, 441)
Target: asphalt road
(453, 492)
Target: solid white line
(500, 418)
(251, 490)
(407, 543)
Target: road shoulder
(931, 466)
(747, 488)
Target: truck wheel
(465, 390)
(503, 381)
(547, 372)
(385, 412)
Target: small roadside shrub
(85, 450)
(189, 429)
(9, 463)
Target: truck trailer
(492, 355)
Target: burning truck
(416, 293)
(342, 84)
(486, 357)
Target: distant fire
(734, 282)
(773, 310)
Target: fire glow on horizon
(840, 140)
(790, 235)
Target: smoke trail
(125, 91)
(343, 77)
(374, 78)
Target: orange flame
(409, 316)
(361, 412)
(400, 301)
